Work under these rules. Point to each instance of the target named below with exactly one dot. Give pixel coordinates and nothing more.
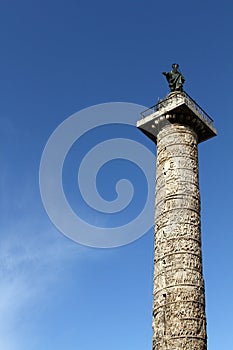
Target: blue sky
(58, 57)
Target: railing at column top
(177, 97)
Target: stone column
(179, 321)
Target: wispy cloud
(35, 263)
(31, 265)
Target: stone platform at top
(177, 107)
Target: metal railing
(178, 97)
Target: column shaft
(179, 321)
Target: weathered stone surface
(179, 321)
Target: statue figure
(175, 78)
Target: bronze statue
(175, 78)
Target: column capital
(177, 107)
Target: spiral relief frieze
(179, 320)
